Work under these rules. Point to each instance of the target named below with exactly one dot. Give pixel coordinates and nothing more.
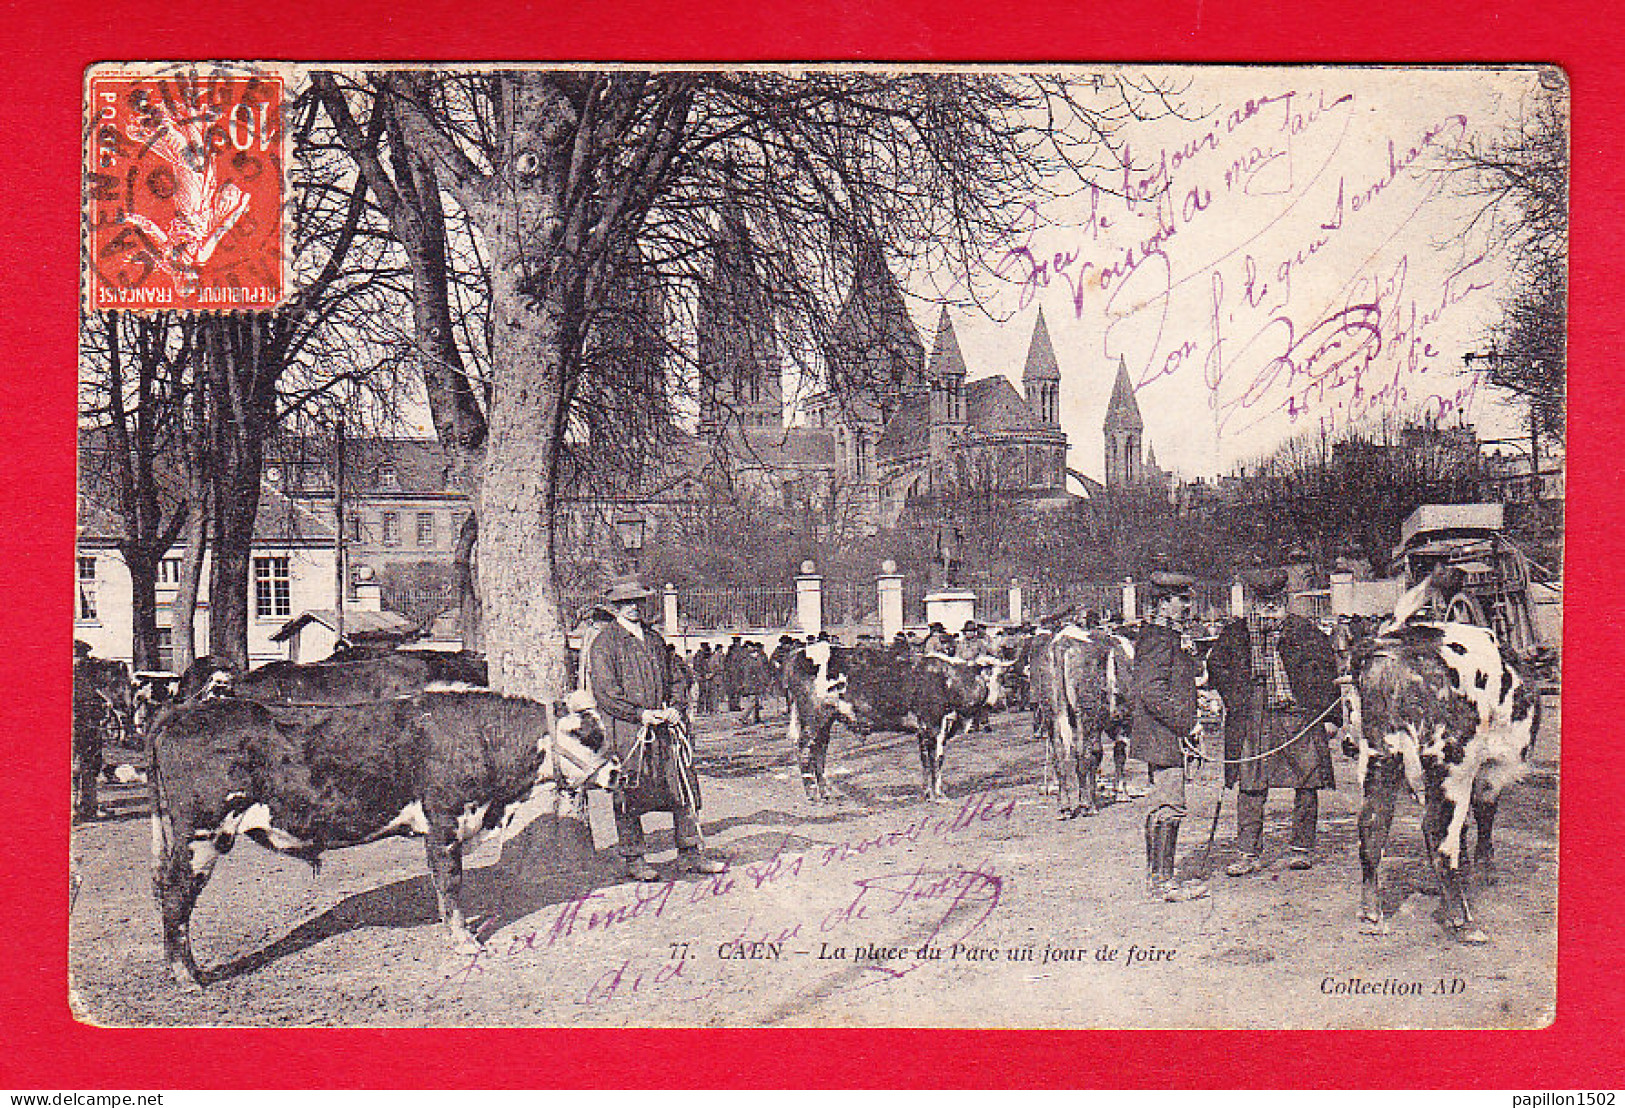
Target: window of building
(357, 533)
(862, 457)
(392, 529)
(169, 571)
(166, 649)
(273, 587)
(425, 528)
(87, 589)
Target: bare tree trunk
(241, 413)
(183, 641)
(143, 607)
(532, 335)
(523, 631)
(464, 572)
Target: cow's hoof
(1373, 924)
(1064, 814)
(1088, 810)
(1469, 933)
(186, 977)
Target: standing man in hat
(1277, 674)
(632, 684)
(731, 660)
(1163, 693)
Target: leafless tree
(1521, 179)
(135, 385)
(578, 183)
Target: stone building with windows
(292, 569)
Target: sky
(1285, 257)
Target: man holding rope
(1163, 692)
(1277, 674)
(630, 679)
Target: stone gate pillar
(810, 599)
(670, 613)
(889, 600)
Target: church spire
(1123, 411)
(946, 360)
(1123, 428)
(1041, 363)
(1041, 378)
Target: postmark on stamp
(184, 187)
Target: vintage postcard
(819, 546)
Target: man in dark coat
(1277, 674)
(705, 675)
(631, 682)
(682, 684)
(755, 679)
(731, 660)
(1163, 692)
(102, 704)
(780, 658)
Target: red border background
(51, 43)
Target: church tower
(874, 362)
(1124, 429)
(1041, 378)
(876, 355)
(946, 371)
(740, 383)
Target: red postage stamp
(185, 181)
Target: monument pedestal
(953, 608)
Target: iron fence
(992, 600)
(1044, 598)
(1210, 601)
(850, 603)
(736, 609)
(418, 604)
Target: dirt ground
(879, 909)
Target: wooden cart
(1494, 592)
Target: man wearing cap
(1163, 692)
(731, 661)
(1277, 674)
(632, 683)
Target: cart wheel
(1465, 609)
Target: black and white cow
(1085, 687)
(305, 780)
(876, 689)
(1441, 707)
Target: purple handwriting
(620, 907)
(1258, 359)
(970, 894)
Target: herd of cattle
(370, 743)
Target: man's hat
(625, 588)
(1266, 582)
(1165, 583)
